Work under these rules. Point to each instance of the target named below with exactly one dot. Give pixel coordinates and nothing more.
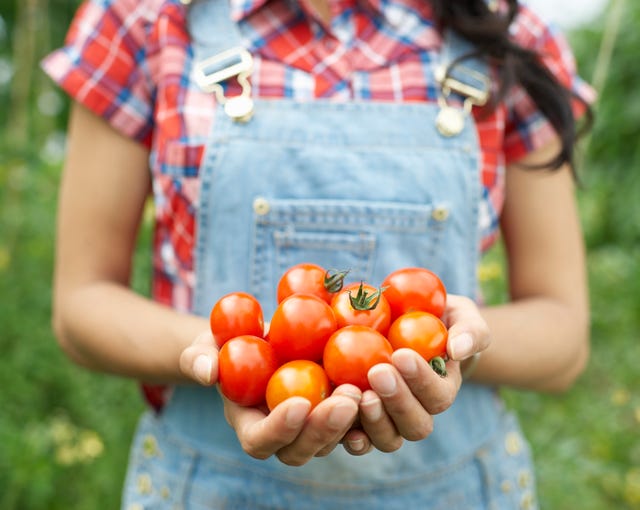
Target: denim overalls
(366, 186)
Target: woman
(354, 134)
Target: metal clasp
(478, 96)
(211, 72)
(450, 121)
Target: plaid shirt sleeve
(526, 128)
(102, 64)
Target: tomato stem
(364, 300)
(334, 280)
(438, 365)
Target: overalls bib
(369, 187)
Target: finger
(468, 331)
(326, 450)
(353, 392)
(378, 425)
(410, 417)
(434, 392)
(348, 390)
(199, 361)
(357, 442)
(261, 435)
(324, 428)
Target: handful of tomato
(325, 333)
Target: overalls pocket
(343, 235)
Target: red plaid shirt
(127, 61)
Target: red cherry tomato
(351, 352)
(245, 365)
(235, 314)
(421, 331)
(307, 278)
(298, 378)
(300, 327)
(414, 288)
(424, 333)
(359, 303)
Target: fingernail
(372, 410)
(340, 416)
(347, 390)
(461, 346)
(356, 445)
(352, 395)
(382, 381)
(297, 413)
(405, 362)
(202, 368)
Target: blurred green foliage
(587, 442)
(59, 422)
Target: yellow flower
(90, 444)
(71, 444)
(632, 487)
(61, 430)
(5, 258)
(66, 455)
(149, 212)
(620, 397)
(489, 271)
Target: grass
(585, 441)
(58, 421)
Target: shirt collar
(241, 9)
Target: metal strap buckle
(450, 121)
(211, 72)
(477, 95)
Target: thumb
(468, 330)
(199, 361)
(461, 345)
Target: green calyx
(334, 280)
(364, 300)
(439, 366)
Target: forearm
(537, 343)
(540, 339)
(98, 320)
(107, 327)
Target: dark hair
(489, 32)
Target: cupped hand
(292, 431)
(407, 393)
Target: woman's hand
(407, 393)
(292, 431)
(405, 396)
